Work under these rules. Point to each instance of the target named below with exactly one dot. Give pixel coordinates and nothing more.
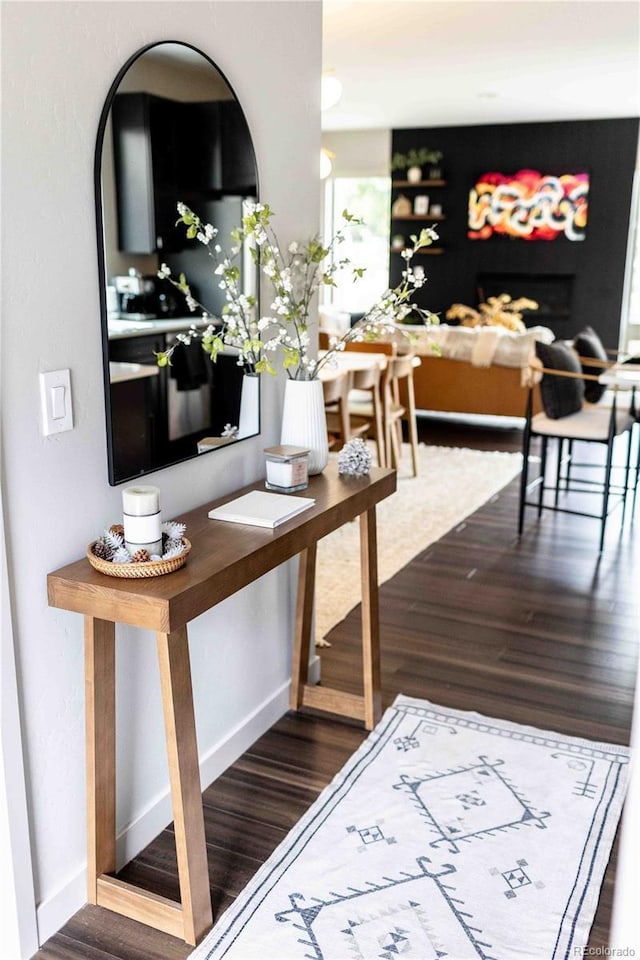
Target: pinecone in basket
(117, 528)
(102, 550)
(140, 556)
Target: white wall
(58, 61)
(359, 153)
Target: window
(365, 246)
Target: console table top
(224, 557)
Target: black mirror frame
(102, 277)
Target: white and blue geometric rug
(447, 834)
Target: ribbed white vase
(304, 422)
(249, 424)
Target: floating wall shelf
(420, 183)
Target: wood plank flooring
(540, 632)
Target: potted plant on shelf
(414, 161)
(295, 275)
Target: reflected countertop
(120, 372)
(121, 325)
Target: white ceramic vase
(304, 422)
(249, 424)
(414, 174)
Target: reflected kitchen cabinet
(160, 414)
(146, 162)
(153, 170)
(135, 403)
(220, 161)
(139, 408)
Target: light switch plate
(55, 398)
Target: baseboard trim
(54, 912)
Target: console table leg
(304, 620)
(177, 699)
(100, 730)
(370, 619)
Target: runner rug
(447, 834)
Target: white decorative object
(414, 174)
(355, 458)
(249, 424)
(304, 422)
(141, 519)
(421, 204)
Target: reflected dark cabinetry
(222, 163)
(138, 409)
(153, 170)
(145, 131)
(158, 420)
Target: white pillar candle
(140, 501)
(142, 519)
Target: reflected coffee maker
(143, 297)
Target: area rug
(453, 483)
(447, 834)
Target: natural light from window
(365, 246)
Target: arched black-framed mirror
(171, 130)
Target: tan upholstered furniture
(456, 386)
(480, 370)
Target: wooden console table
(224, 558)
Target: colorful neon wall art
(529, 205)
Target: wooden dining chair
(366, 399)
(400, 406)
(336, 404)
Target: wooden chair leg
(413, 427)
(380, 429)
(394, 454)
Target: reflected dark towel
(189, 367)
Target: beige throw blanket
(480, 346)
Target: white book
(261, 509)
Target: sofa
(474, 370)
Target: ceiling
(413, 63)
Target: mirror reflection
(171, 130)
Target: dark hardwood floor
(539, 631)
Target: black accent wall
(589, 273)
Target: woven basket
(134, 571)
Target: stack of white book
(261, 509)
